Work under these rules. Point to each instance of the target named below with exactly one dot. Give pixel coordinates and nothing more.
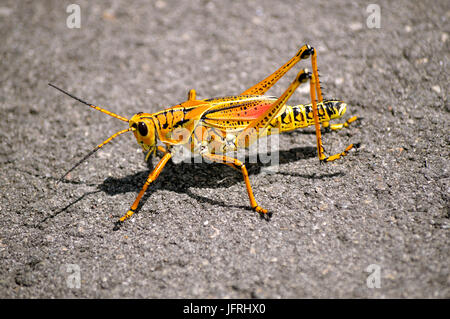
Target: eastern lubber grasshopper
(215, 127)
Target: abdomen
(299, 116)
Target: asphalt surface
(386, 204)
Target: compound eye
(142, 128)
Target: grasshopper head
(335, 108)
(144, 131)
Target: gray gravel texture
(385, 204)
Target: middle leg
(233, 162)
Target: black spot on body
(283, 116)
(295, 111)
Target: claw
(126, 216)
(263, 213)
(265, 216)
(117, 225)
(122, 219)
(259, 209)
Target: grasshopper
(214, 127)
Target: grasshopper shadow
(181, 177)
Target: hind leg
(305, 52)
(320, 150)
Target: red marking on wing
(247, 111)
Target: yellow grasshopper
(217, 126)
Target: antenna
(95, 150)
(93, 106)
